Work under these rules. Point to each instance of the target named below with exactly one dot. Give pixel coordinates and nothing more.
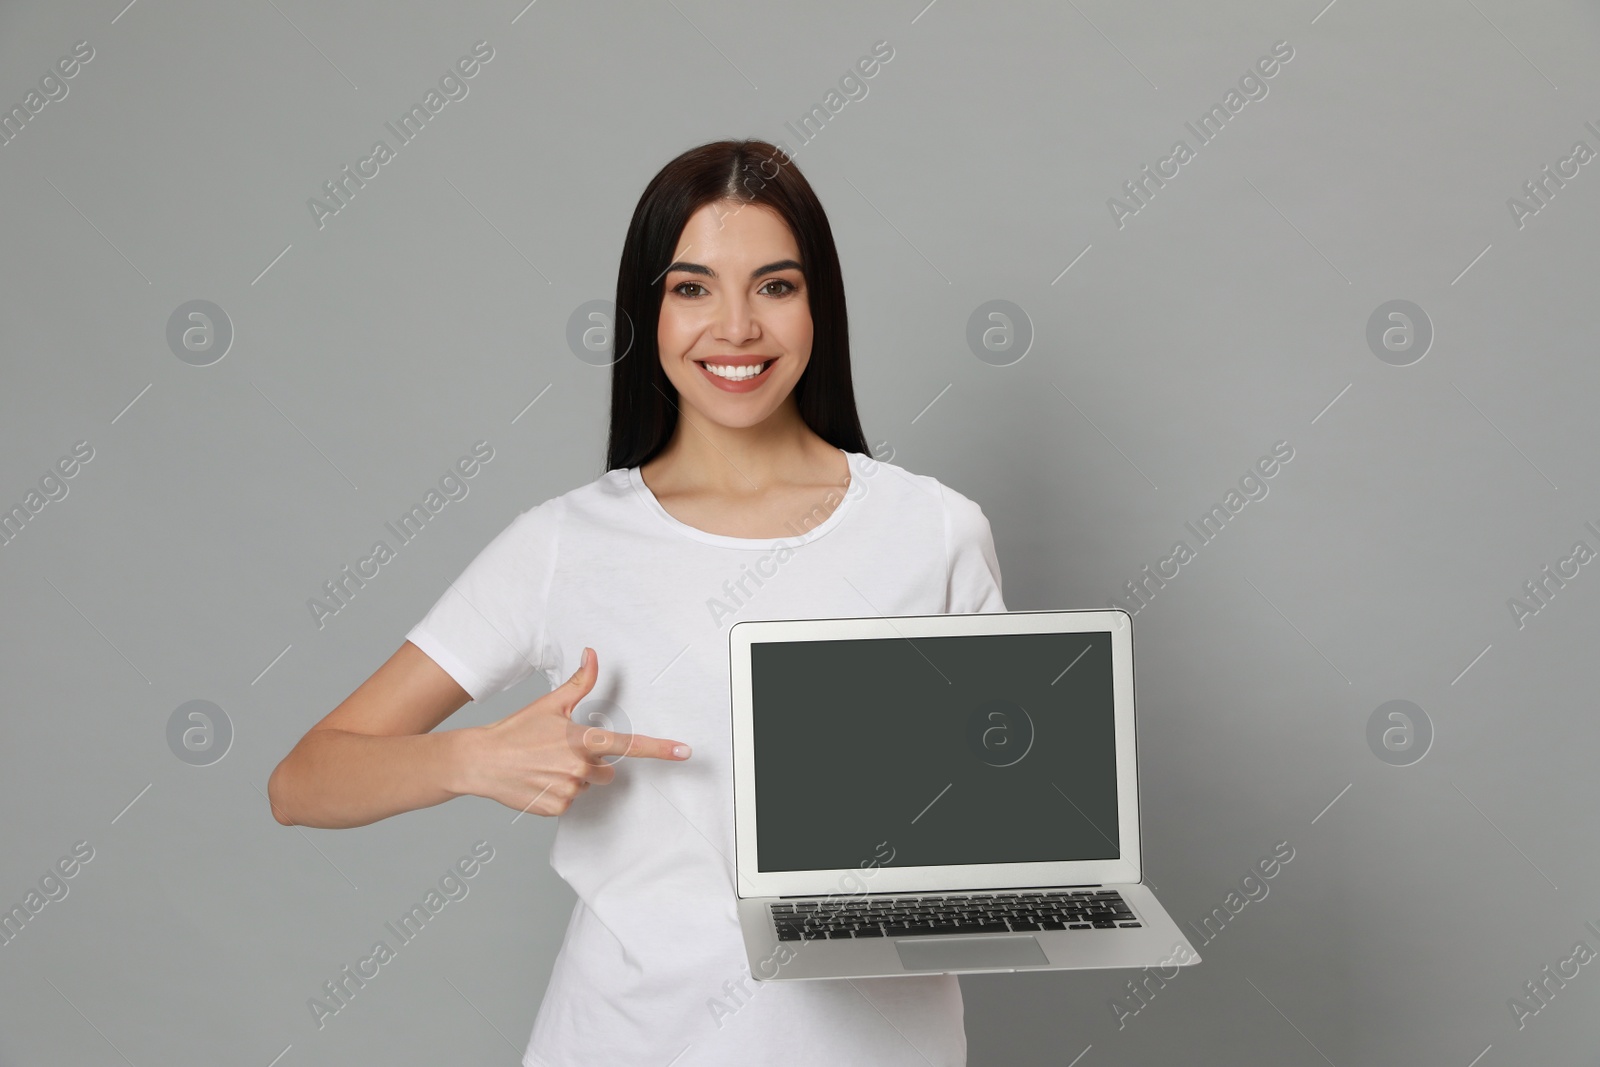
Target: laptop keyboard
(962, 913)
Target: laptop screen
(981, 748)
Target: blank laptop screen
(992, 748)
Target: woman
(737, 487)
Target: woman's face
(735, 298)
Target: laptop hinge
(932, 892)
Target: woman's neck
(706, 457)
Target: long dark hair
(644, 403)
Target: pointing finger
(598, 742)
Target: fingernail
(681, 751)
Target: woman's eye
(784, 288)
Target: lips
(731, 385)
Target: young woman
(738, 486)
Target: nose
(735, 321)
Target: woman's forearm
(335, 778)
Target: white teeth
(736, 374)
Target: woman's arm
(374, 755)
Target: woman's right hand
(539, 760)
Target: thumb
(578, 686)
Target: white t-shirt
(653, 965)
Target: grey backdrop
(1165, 347)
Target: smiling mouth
(737, 372)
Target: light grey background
(1228, 314)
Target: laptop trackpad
(962, 953)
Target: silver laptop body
(940, 794)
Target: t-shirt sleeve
(973, 579)
(488, 629)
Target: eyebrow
(697, 268)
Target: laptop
(919, 794)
